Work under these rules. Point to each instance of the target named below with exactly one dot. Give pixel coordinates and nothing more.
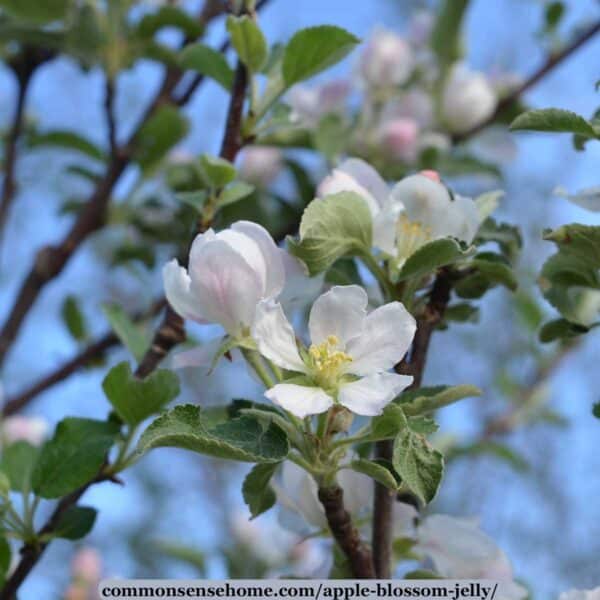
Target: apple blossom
(261, 165)
(349, 356)
(355, 175)
(28, 429)
(387, 61)
(468, 99)
(309, 105)
(581, 594)
(460, 550)
(229, 273)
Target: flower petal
(339, 182)
(387, 334)
(300, 290)
(463, 219)
(300, 400)
(228, 288)
(368, 396)
(275, 336)
(272, 255)
(177, 284)
(340, 312)
(368, 178)
(384, 228)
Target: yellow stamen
(327, 360)
(410, 235)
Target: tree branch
(345, 534)
(552, 61)
(432, 314)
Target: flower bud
(309, 105)
(430, 174)
(87, 565)
(28, 429)
(387, 60)
(260, 165)
(400, 138)
(468, 99)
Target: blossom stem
(254, 359)
(379, 274)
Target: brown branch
(552, 61)
(345, 534)
(432, 314)
(109, 111)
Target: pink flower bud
(430, 174)
(400, 137)
(28, 429)
(87, 565)
(387, 60)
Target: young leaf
(36, 11)
(313, 50)
(553, 120)
(127, 331)
(258, 494)
(561, 329)
(234, 192)
(376, 471)
(5, 556)
(169, 16)
(332, 227)
(243, 439)
(167, 127)
(218, 171)
(73, 456)
(248, 41)
(433, 255)
(419, 464)
(73, 318)
(427, 399)
(207, 61)
(68, 140)
(76, 522)
(136, 399)
(18, 461)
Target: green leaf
(445, 37)
(18, 462)
(596, 410)
(217, 171)
(158, 135)
(561, 329)
(76, 522)
(73, 318)
(332, 227)
(553, 13)
(248, 41)
(313, 50)
(433, 255)
(196, 199)
(422, 574)
(422, 424)
(427, 399)
(258, 494)
(462, 312)
(344, 272)
(207, 61)
(35, 10)
(73, 456)
(234, 192)
(169, 16)
(331, 136)
(553, 120)
(388, 424)
(69, 140)
(419, 465)
(244, 439)
(187, 554)
(495, 269)
(500, 451)
(508, 238)
(136, 399)
(127, 331)
(376, 471)
(5, 556)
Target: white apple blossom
(21, 428)
(349, 356)
(468, 99)
(261, 165)
(310, 104)
(229, 273)
(355, 175)
(459, 549)
(387, 60)
(581, 594)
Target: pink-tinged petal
(249, 250)
(339, 312)
(368, 178)
(300, 400)
(177, 284)
(369, 396)
(275, 278)
(387, 334)
(228, 289)
(275, 337)
(339, 181)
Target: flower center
(326, 361)
(410, 236)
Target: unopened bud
(387, 60)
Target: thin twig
(109, 110)
(552, 61)
(432, 314)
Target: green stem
(254, 359)
(379, 274)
